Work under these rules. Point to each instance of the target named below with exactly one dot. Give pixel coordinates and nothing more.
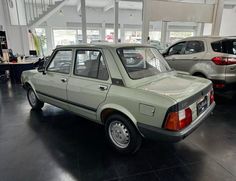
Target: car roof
(209, 37)
(103, 45)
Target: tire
(122, 134)
(34, 102)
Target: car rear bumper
(172, 136)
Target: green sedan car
(128, 88)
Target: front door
(89, 84)
(175, 56)
(51, 86)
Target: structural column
(199, 29)
(217, 17)
(103, 31)
(145, 24)
(116, 24)
(163, 32)
(50, 40)
(122, 33)
(83, 17)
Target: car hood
(178, 87)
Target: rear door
(192, 52)
(90, 82)
(175, 54)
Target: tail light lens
(179, 120)
(212, 97)
(224, 60)
(219, 86)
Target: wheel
(34, 102)
(122, 135)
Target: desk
(16, 69)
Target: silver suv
(210, 57)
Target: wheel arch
(28, 85)
(199, 73)
(110, 109)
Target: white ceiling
(103, 3)
(134, 4)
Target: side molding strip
(69, 102)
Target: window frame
(185, 42)
(91, 49)
(53, 56)
(117, 52)
(222, 41)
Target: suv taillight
(178, 120)
(224, 60)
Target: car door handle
(102, 87)
(194, 58)
(63, 80)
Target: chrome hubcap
(32, 97)
(119, 134)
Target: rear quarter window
(225, 46)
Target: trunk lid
(178, 87)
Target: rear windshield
(225, 46)
(141, 62)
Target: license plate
(201, 105)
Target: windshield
(141, 62)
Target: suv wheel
(34, 102)
(122, 135)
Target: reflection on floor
(56, 145)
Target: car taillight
(212, 98)
(224, 60)
(178, 120)
(219, 86)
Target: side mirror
(41, 66)
(164, 54)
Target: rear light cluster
(224, 60)
(178, 120)
(219, 85)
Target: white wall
(2, 17)
(94, 15)
(16, 35)
(207, 29)
(228, 23)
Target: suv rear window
(225, 46)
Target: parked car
(135, 98)
(210, 57)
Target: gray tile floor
(55, 145)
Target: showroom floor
(57, 145)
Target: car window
(225, 46)
(90, 63)
(194, 47)
(177, 49)
(141, 62)
(61, 62)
